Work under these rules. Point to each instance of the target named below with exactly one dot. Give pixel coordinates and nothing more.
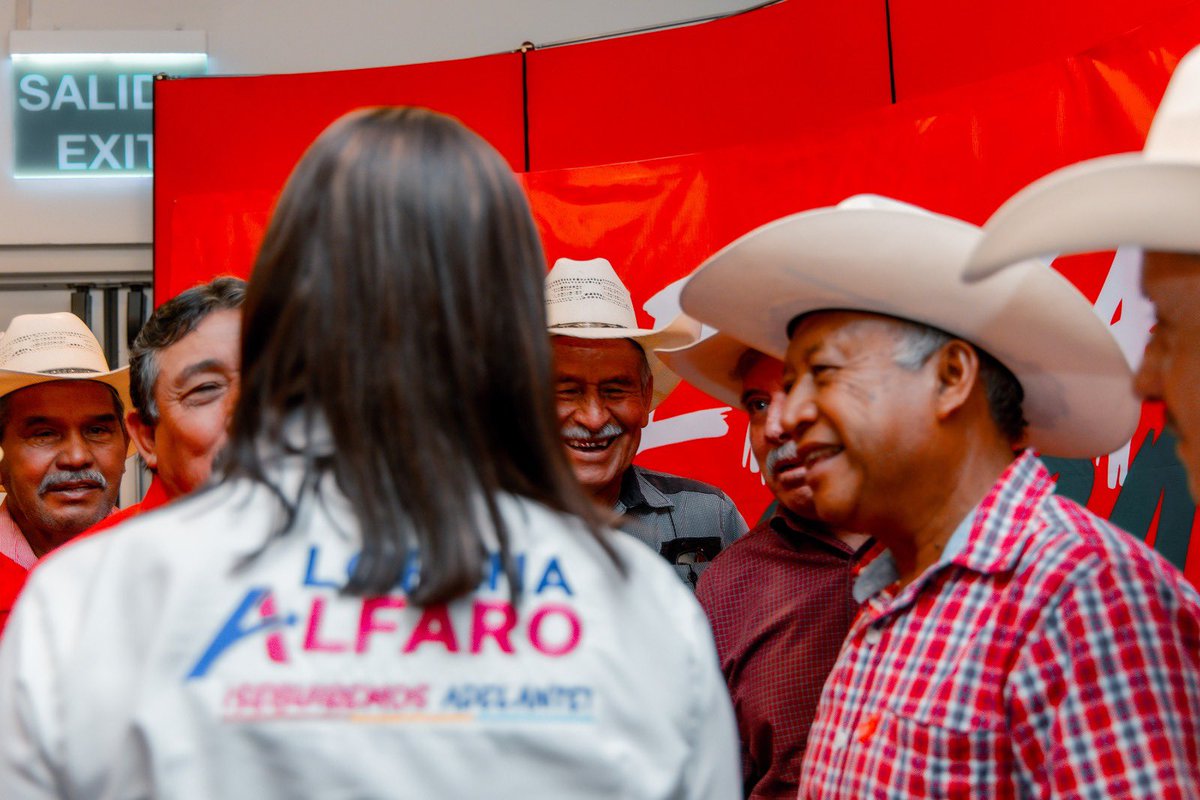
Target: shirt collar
(637, 491)
(882, 572)
(13, 543)
(156, 495)
(791, 527)
(990, 539)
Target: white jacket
(142, 662)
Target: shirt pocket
(937, 752)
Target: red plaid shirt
(1052, 655)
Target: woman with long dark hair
(396, 588)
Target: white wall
(257, 37)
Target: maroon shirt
(779, 600)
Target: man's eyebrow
(207, 365)
(29, 422)
(812, 351)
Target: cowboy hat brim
(1079, 400)
(710, 365)
(15, 380)
(679, 332)
(1100, 204)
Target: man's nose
(1147, 381)
(75, 453)
(591, 412)
(774, 429)
(799, 408)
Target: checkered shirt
(1052, 655)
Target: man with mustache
(607, 381)
(778, 598)
(1010, 642)
(64, 441)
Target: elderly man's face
(1170, 370)
(858, 418)
(64, 454)
(763, 399)
(196, 388)
(602, 408)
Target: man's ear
(957, 373)
(142, 434)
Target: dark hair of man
(169, 323)
(746, 362)
(1002, 389)
(645, 376)
(397, 299)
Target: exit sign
(87, 114)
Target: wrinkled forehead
(614, 345)
(815, 328)
(618, 355)
(1185, 266)
(759, 372)
(65, 398)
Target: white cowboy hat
(1149, 198)
(711, 365)
(39, 348)
(586, 300)
(879, 255)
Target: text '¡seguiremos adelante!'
(421, 702)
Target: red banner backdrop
(961, 151)
(225, 146)
(749, 78)
(944, 43)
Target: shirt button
(872, 637)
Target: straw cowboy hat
(39, 348)
(586, 300)
(878, 255)
(711, 365)
(1149, 198)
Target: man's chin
(74, 521)
(799, 501)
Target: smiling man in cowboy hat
(1010, 643)
(64, 441)
(607, 381)
(779, 597)
(1150, 199)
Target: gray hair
(169, 323)
(917, 344)
(644, 373)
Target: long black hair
(397, 299)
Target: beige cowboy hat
(586, 300)
(1150, 198)
(39, 348)
(711, 365)
(882, 256)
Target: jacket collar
(636, 491)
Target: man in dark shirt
(779, 599)
(607, 381)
